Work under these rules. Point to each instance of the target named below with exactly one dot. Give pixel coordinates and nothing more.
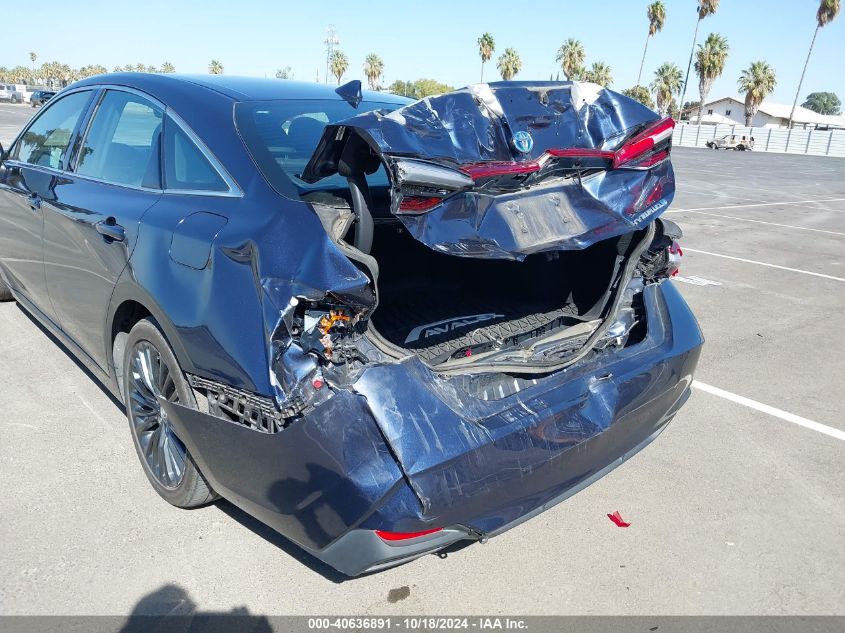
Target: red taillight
(402, 536)
(644, 142)
(489, 170)
(418, 204)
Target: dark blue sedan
(379, 326)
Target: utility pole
(331, 41)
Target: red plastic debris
(617, 519)
(318, 383)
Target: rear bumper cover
(405, 451)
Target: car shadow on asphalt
(91, 375)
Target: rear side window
(185, 166)
(122, 145)
(46, 140)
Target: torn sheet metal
(405, 451)
(582, 198)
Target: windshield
(281, 136)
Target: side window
(123, 142)
(185, 166)
(47, 138)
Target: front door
(28, 182)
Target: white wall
(770, 139)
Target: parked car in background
(15, 93)
(379, 326)
(40, 97)
(10, 93)
(732, 141)
(23, 93)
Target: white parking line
(787, 226)
(752, 261)
(778, 413)
(759, 204)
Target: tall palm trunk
(482, 71)
(702, 92)
(642, 63)
(801, 81)
(689, 65)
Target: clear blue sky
(423, 38)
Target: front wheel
(151, 371)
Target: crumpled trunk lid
(508, 169)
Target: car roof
(233, 87)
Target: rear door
(91, 231)
(31, 181)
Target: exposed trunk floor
(455, 321)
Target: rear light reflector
(489, 170)
(418, 204)
(581, 152)
(644, 142)
(403, 536)
(651, 160)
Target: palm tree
(828, 10)
(656, 14)
(709, 64)
(600, 74)
(486, 48)
(373, 69)
(168, 68)
(571, 57)
(215, 67)
(338, 63)
(757, 82)
(32, 57)
(705, 8)
(667, 81)
(284, 73)
(509, 64)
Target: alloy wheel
(149, 378)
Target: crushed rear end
(495, 330)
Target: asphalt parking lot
(737, 508)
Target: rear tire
(150, 369)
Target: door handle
(34, 201)
(110, 229)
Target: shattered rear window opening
(282, 135)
